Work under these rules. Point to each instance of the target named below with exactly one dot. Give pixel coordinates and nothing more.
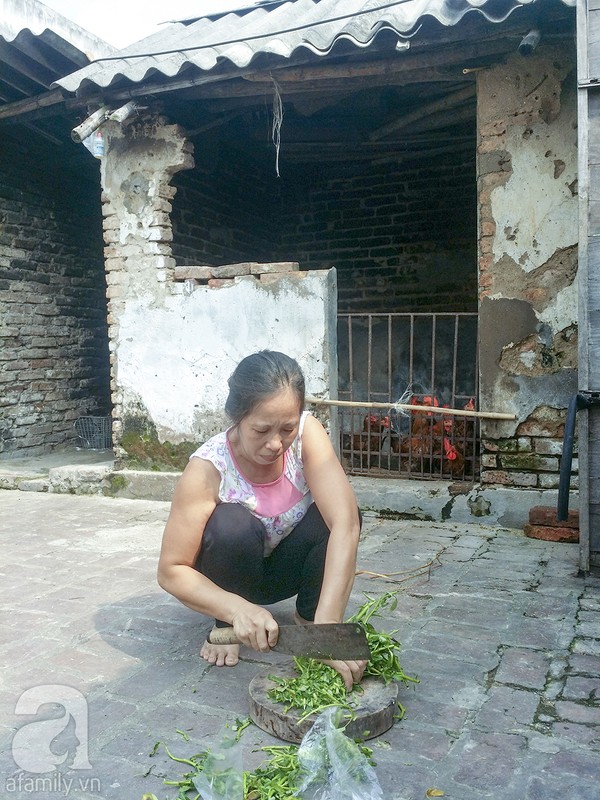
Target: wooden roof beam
(407, 120)
(288, 89)
(316, 153)
(29, 104)
(444, 119)
(402, 62)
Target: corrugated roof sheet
(37, 47)
(28, 20)
(281, 30)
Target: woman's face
(266, 432)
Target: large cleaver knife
(344, 640)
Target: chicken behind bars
(371, 436)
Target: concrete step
(88, 472)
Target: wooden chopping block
(374, 712)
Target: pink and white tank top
(279, 505)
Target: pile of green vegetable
(318, 686)
(276, 778)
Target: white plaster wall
(173, 360)
(536, 213)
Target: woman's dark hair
(260, 376)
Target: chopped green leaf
(240, 726)
(318, 686)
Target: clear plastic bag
(332, 765)
(222, 776)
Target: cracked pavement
(501, 630)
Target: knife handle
(222, 636)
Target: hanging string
(277, 121)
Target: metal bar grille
(425, 359)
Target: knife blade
(332, 640)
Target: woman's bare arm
(335, 500)
(194, 500)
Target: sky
(122, 22)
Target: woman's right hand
(255, 627)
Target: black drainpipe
(578, 401)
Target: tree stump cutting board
(374, 712)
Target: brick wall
(530, 459)
(54, 347)
(225, 210)
(401, 237)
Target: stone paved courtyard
(502, 632)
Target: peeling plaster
(551, 288)
(530, 233)
(544, 349)
(503, 322)
(511, 339)
(564, 309)
(139, 164)
(135, 193)
(544, 420)
(545, 219)
(527, 358)
(527, 158)
(523, 395)
(535, 357)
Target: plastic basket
(95, 432)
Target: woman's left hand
(351, 671)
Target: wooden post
(456, 412)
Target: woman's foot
(222, 655)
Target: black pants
(232, 556)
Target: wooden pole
(456, 412)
